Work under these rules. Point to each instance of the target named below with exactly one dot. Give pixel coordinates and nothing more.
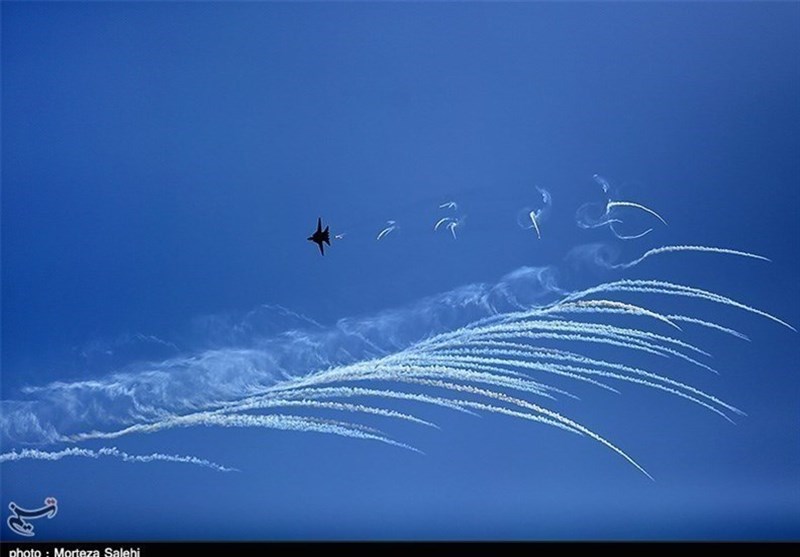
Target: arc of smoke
(602, 182)
(532, 215)
(410, 369)
(550, 335)
(206, 418)
(425, 359)
(621, 236)
(440, 222)
(610, 331)
(406, 374)
(611, 204)
(672, 289)
(526, 315)
(523, 350)
(555, 416)
(392, 225)
(709, 325)
(638, 310)
(611, 340)
(271, 421)
(609, 306)
(455, 357)
(600, 223)
(689, 248)
(348, 392)
(265, 403)
(113, 452)
(651, 379)
(649, 384)
(452, 227)
(537, 215)
(457, 360)
(450, 223)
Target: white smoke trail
(677, 249)
(532, 216)
(671, 289)
(458, 357)
(602, 182)
(271, 421)
(348, 392)
(621, 236)
(480, 342)
(265, 403)
(440, 222)
(554, 416)
(391, 227)
(608, 306)
(708, 324)
(611, 204)
(109, 452)
(452, 228)
(611, 340)
(565, 337)
(652, 380)
(394, 371)
(450, 224)
(529, 218)
(606, 331)
(585, 219)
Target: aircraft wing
(321, 248)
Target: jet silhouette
(320, 236)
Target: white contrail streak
(394, 371)
(602, 182)
(709, 325)
(603, 334)
(440, 222)
(605, 331)
(452, 227)
(532, 216)
(266, 403)
(671, 289)
(621, 236)
(558, 418)
(608, 306)
(347, 392)
(612, 204)
(675, 249)
(651, 379)
(392, 225)
(110, 452)
(457, 358)
(272, 421)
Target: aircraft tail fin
(326, 235)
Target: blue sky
(163, 163)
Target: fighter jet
(320, 236)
